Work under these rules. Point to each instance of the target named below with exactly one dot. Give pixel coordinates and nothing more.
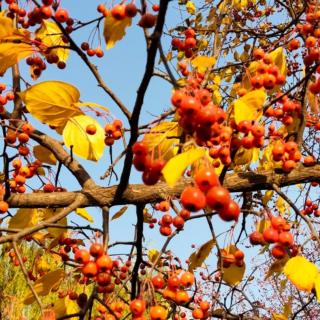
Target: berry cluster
(209, 192)
(229, 258)
(143, 162)
(187, 45)
(277, 233)
(113, 132)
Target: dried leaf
(276, 267)
(90, 147)
(114, 30)
(44, 155)
(198, 257)
(267, 197)
(45, 284)
(118, 214)
(153, 255)
(176, 166)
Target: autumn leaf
(45, 284)
(44, 155)
(90, 147)
(83, 213)
(279, 59)
(176, 166)
(246, 156)
(276, 267)
(250, 106)
(203, 63)
(263, 225)
(51, 35)
(162, 140)
(301, 272)
(49, 213)
(24, 218)
(114, 30)
(190, 6)
(65, 306)
(153, 255)
(267, 197)
(119, 213)
(198, 257)
(317, 287)
(52, 102)
(233, 274)
(279, 316)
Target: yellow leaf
(119, 213)
(162, 141)
(202, 63)
(63, 307)
(176, 166)
(90, 147)
(267, 197)
(49, 213)
(24, 218)
(233, 274)
(317, 286)
(198, 257)
(52, 102)
(45, 284)
(51, 35)
(281, 205)
(153, 255)
(114, 30)
(92, 105)
(250, 106)
(83, 213)
(147, 216)
(263, 225)
(246, 156)
(191, 8)
(279, 316)
(279, 59)
(44, 155)
(301, 272)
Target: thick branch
(137, 193)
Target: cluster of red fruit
(267, 74)
(113, 132)
(277, 233)
(201, 310)
(310, 31)
(92, 51)
(21, 174)
(138, 308)
(187, 45)
(285, 110)
(36, 15)
(174, 288)
(14, 259)
(4, 98)
(143, 162)
(209, 192)
(98, 269)
(122, 11)
(289, 154)
(229, 258)
(311, 208)
(167, 220)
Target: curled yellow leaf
(83, 213)
(44, 155)
(114, 30)
(176, 166)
